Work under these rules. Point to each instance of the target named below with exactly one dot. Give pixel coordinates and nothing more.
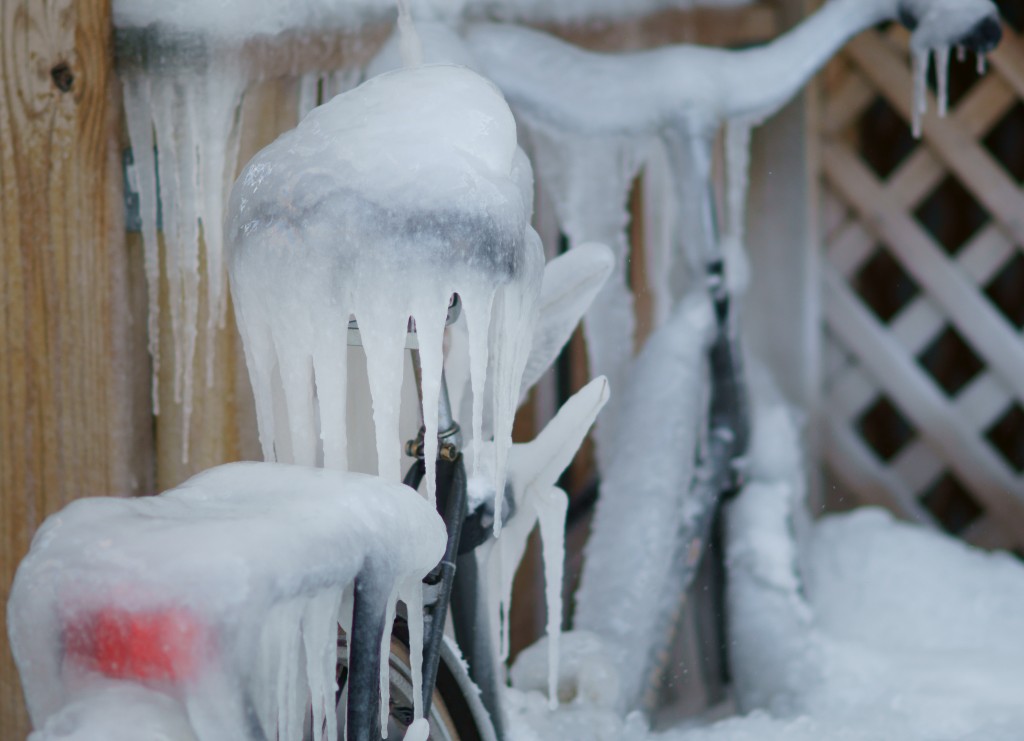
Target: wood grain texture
(67, 427)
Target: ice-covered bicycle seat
(227, 590)
(380, 205)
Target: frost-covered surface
(247, 567)
(646, 512)
(413, 179)
(242, 18)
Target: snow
(646, 508)
(414, 179)
(857, 627)
(253, 559)
(117, 711)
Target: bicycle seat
(197, 587)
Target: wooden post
(68, 398)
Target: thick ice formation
(246, 565)
(534, 468)
(413, 179)
(636, 557)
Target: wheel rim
(400, 706)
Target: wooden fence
(923, 294)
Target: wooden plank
(921, 321)
(988, 332)
(860, 470)
(1008, 59)
(920, 399)
(707, 26)
(918, 466)
(67, 385)
(846, 103)
(851, 392)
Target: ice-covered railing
(227, 592)
(591, 126)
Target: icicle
(552, 508)
(138, 108)
(196, 122)
(477, 307)
(982, 63)
(320, 638)
(411, 595)
(340, 81)
(330, 366)
(410, 44)
(385, 662)
(961, 53)
(429, 314)
(418, 731)
(921, 61)
(942, 78)
(310, 85)
(297, 384)
(737, 161)
(383, 333)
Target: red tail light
(169, 644)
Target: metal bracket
(132, 209)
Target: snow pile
(861, 622)
(412, 180)
(245, 571)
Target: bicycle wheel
(456, 713)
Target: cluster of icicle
(249, 568)
(183, 123)
(921, 62)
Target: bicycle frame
(456, 579)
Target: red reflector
(167, 644)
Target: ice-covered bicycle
(211, 609)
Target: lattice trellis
(924, 291)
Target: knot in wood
(62, 77)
